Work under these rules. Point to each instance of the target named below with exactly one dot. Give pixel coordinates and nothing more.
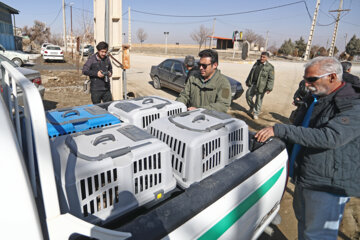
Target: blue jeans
(318, 213)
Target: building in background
(6, 26)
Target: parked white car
(33, 75)
(17, 57)
(43, 46)
(53, 52)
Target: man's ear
(215, 65)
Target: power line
(55, 17)
(220, 15)
(169, 22)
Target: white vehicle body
(17, 57)
(237, 202)
(53, 52)
(43, 46)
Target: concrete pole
(331, 52)
(115, 45)
(212, 35)
(129, 28)
(64, 25)
(166, 37)
(266, 41)
(312, 29)
(71, 30)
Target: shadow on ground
(48, 105)
(169, 91)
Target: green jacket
(215, 94)
(265, 82)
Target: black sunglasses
(314, 79)
(204, 66)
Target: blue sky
(282, 23)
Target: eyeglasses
(204, 66)
(314, 79)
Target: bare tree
(38, 33)
(86, 31)
(250, 35)
(57, 39)
(200, 35)
(141, 35)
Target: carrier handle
(149, 100)
(65, 114)
(102, 138)
(199, 117)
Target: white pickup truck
(237, 202)
(17, 57)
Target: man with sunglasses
(207, 88)
(259, 82)
(324, 143)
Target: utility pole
(64, 25)
(71, 31)
(312, 29)
(213, 31)
(332, 47)
(345, 39)
(266, 41)
(166, 36)
(129, 29)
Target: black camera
(300, 94)
(106, 75)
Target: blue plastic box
(77, 119)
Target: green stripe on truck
(225, 223)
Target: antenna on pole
(312, 29)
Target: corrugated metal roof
(222, 38)
(10, 9)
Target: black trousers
(98, 96)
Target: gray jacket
(329, 159)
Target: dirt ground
(64, 88)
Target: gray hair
(327, 65)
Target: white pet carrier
(202, 142)
(104, 173)
(142, 111)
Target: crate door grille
(90, 188)
(236, 146)
(147, 173)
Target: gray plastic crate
(142, 111)
(104, 173)
(202, 142)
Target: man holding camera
(98, 67)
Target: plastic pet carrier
(142, 111)
(202, 142)
(70, 120)
(105, 173)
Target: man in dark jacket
(347, 76)
(98, 67)
(326, 140)
(190, 67)
(259, 82)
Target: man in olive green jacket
(208, 88)
(259, 81)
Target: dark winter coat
(329, 159)
(91, 68)
(348, 77)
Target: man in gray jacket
(325, 141)
(259, 82)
